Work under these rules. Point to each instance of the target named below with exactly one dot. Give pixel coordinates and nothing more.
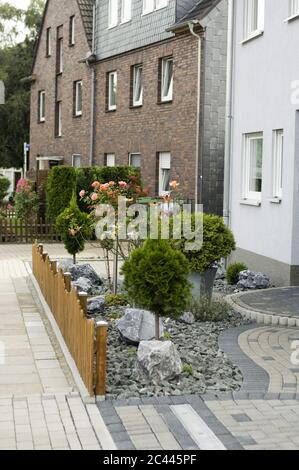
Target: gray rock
(96, 305)
(65, 264)
(188, 318)
(251, 280)
(138, 325)
(158, 361)
(83, 285)
(85, 270)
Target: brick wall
(75, 131)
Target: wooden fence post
(68, 281)
(83, 301)
(101, 359)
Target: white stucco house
(263, 136)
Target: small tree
(4, 187)
(26, 201)
(74, 227)
(156, 278)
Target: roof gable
(193, 9)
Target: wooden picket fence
(85, 339)
(13, 230)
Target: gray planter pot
(203, 283)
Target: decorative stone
(86, 271)
(65, 264)
(158, 361)
(187, 318)
(83, 285)
(138, 325)
(96, 305)
(251, 280)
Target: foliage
(61, 185)
(26, 201)
(218, 242)
(207, 310)
(167, 336)
(15, 64)
(4, 187)
(156, 278)
(187, 369)
(116, 300)
(233, 271)
(74, 227)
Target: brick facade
(75, 131)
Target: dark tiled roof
(193, 9)
(86, 9)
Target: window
(72, 31)
(167, 79)
(58, 119)
(151, 5)
(112, 90)
(112, 13)
(126, 10)
(110, 159)
(254, 17)
(135, 160)
(294, 7)
(164, 173)
(137, 97)
(42, 106)
(253, 165)
(60, 55)
(49, 42)
(76, 161)
(277, 163)
(78, 98)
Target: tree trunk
(157, 326)
(74, 259)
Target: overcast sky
(20, 3)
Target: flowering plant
(26, 200)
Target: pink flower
(94, 197)
(82, 193)
(104, 187)
(122, 184)
(96, 184)
(111, 183)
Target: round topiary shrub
(156, 278)
(233, 272)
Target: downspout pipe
(228, 114)
(92, 88)
(191, 26)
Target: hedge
(61, 185)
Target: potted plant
(218, 243)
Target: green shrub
(156, 278)
(207, 310)
(218, 243)
(233, 271)
(4, 187)
(116, 300)
(187, 369)
(74, 227)
(26, 201)
(60, 187)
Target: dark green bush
(60, 187)
(74, 227)
(233, 271)
(218, 243)
(207, 310)
(156, 278)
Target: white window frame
(112, 13)
(149, 6)
(136, 102)
(110, 160)
(42, 106)
(277, 169)
(78, 112)
(126, 11)
(74, 157)
(49, 42)
(72, 32)
(254, 12)
(294, 8)
(164, 164)
(169, 97)
(59, 119)
(131, 156)
(60, 66)
(112, 75)
(247, 193)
